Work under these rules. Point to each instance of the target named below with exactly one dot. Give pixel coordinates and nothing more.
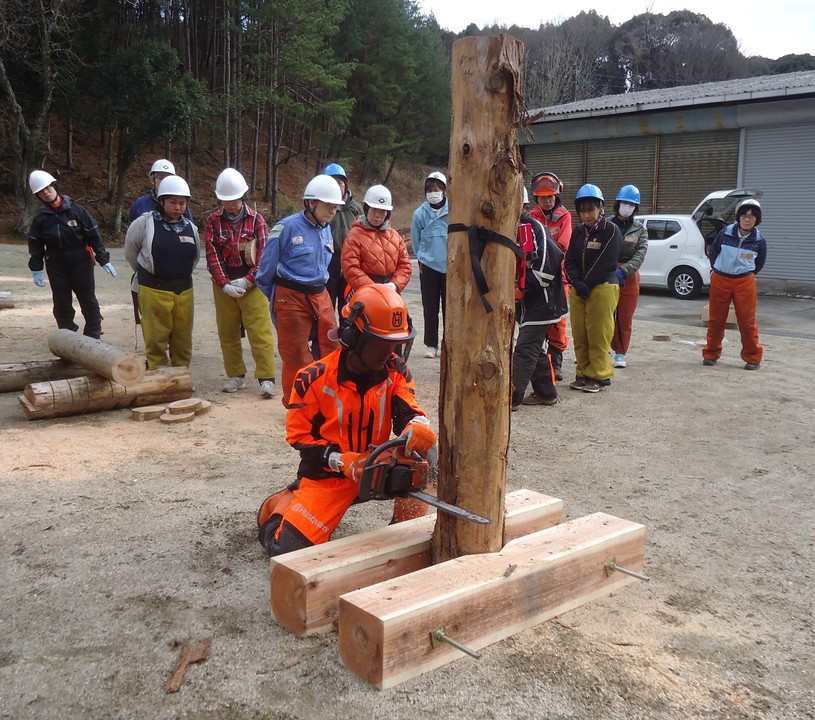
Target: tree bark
(15, 376)
(110, 362)
(80, 395)
(485, 191)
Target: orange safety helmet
(375, 311)
(546, 183)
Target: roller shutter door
(622, 161)
(779, 161)
(692, 165)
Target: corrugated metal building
(679, 144)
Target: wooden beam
(76, 396)
(15, 376)
(125, 368)
(385, 630)
(486, 192)
(306, 584)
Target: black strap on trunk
(479, 237)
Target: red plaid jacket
(228, 247)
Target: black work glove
(581, 289)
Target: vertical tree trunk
(485, 191)
(69, 143)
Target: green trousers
(166, 322)
(252, 311)
(593, 329)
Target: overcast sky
(771, 29)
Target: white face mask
(434, 198)
(627, 209)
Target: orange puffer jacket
(371, 255)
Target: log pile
(91, 375)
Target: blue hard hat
(590, 191)
(629, 194)
(334, 169)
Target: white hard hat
(39, 180)
(162, 166)
(437, 176)
(325, 188)
(526, 196)
(173, 185)
(230, 185)
(378, 197)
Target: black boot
(556, 358)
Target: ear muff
(349, 332)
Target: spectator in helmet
(340, 227)
(147, 203)
(635, 245)
(591, 265)
(546, 189)
(373, 251)
(64, 239)
(162, 247)
(350, 400)
(292, 273)
(235, 236)
(428, 236)
(737, 255)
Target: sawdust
(118, 537)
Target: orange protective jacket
(371, 255)
(333, 411)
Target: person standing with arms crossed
(428, 236)
(65, 240)
(235, 236)
(292, 273)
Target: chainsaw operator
(341, 406)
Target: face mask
(434, 198)
(627, 209)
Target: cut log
(180, 407)
(15, 376)
(6, 301)
(385, 631)
(206, 407)
(151, 412)
(485, 191)
(76, 396)
(125, 368)
(306, 584)
(170, 418)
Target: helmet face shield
(546, 183)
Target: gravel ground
(119, 540)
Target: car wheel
(685, 283)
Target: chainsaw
(389, 472)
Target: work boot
(536, 399)
(556, 358)
(517, 400)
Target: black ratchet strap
(479, 237)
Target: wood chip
(662, 338)
(190, 653)
(206, 406)
(184, 406)
(150, 412)
(170, 419)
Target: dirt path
(119, 540)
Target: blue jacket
(428, 236)
(733, 256)
(297, 251)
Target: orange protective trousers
(624, 318)
(743, 294)
(295, 313)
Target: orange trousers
(624, 317)
(743, 294)
(295, 314)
